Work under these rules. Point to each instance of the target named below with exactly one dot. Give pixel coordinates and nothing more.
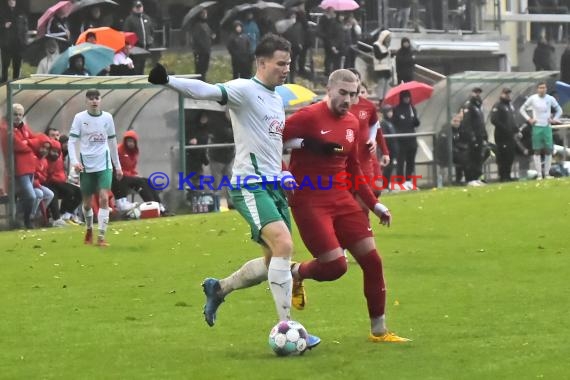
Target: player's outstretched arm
(191, 88)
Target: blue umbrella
(97, 57)
(563, 90)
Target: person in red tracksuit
(25, 163)
(326, 142)
(132, 180)
(40, 145)
(69, 194)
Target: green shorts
(91, 183)
(541, 138)
(260, 207)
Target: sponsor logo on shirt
(97, 138)
(276, 125)
(350, 135)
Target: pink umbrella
(63, 6)
(340, 5)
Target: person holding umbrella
(202, 37)
(141, 24)
(406, 120)
(77, 66)
(52, 53)
(13, 29)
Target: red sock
(374, 286)
(319, 271)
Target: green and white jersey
(258, 119)
(542, 108)
(93, 133)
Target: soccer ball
(288, 338)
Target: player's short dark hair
(541, 83)
(63, 139)
(48, 129)
(270, 43)
(92, 93)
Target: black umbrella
(267, 10)
(82, 4)
(195, 11)
(35, 51)
(293, 3)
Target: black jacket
(503, 118)
(472, 130)
(201, 37)
(14, 36)
(565, 66)
(238, 47)
(141, 25)
(405, 63)
(543, 57)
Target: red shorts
(326, 228)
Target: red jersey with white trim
(319, 176)
(365, 112)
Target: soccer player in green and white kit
(92, 146)
(541, 105)
(258, 119)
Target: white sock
(547, 164)
(537, 164)
(378, 325)
(281, 285)
(88, 215)
(103, 219)
(251, 273)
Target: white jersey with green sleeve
(541, 109)
(258, 119)
(93, 133)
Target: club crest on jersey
(350, 135)
(362, 115)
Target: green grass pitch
(478, 278)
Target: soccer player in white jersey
(541, 121)
(92, 147)
(258, 119)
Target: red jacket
(40, 174)
(24, 157)
(129, 157)
(56, 166)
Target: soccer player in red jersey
(370, 135)
(326, 136)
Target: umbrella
(281, 26)
(195, 11)
(36, 50)
(563, 90)
(82, 4)
(293, 3)
(419, 91)
(109, 37)
(340, 5)
(97, 57)
(63, 6)
(294, 94)
(271, 11)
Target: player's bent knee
(333, 270)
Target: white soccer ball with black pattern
(288, 338)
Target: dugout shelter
(156, 113)
(451, 93)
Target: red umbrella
(64, 7)
(419, 92)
